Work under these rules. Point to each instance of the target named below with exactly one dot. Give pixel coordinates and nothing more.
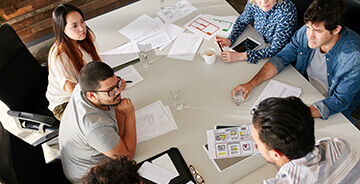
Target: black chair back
(23, 81)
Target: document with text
(276, 89)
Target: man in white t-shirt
(96, 123)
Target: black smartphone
(245, 45)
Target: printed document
(204, 26)
(226, 23)
(156, 173)
(120, 55)
(277, 89)
(231, 142)
(153, 120)
(176, 11)
(138, 27)
(129, 73)
(185, 46)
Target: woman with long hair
(73, 48)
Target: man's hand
(125, 107)
(230, 56)
(246, 88)
(224, 42)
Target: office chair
(23, 84)
(23, 163)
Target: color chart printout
(231, 142)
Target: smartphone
(247, 44)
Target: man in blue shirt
(327, 53)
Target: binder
(180, 165)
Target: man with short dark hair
(283, 129)
(327, 53)
(97, 122)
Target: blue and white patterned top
(276, 27)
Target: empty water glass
(176, 98)
(144, 59)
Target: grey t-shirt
(85, 133)
(317, 72)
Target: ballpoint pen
(128, 81)
(220, 47)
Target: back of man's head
(91, 75)
(286, 125)
(331, 12)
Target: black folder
(180, 165)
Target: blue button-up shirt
(343, 70)
(276, 27)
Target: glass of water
(238, 98)
(176, 98)
(143, 58)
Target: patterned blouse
(276, 27)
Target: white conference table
(206, 93)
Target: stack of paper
(177, 11)
(276, 89)
(160, 170)
(153, 120)
(230, 142)
(150, 33)
(210, 25)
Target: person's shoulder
(352, 39)
(286, 7)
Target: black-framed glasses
(113, 90)
(197, 176)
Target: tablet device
(247, 44)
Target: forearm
(129, 136)
(266, 72)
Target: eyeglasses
(112, 91)
(197, 176)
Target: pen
(128, 81)
(220, 47)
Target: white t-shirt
(317, 73)
(55, 93)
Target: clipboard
(180, 165)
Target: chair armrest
(33, 121)
(356, 114)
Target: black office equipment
(23, 84)
(180, 164)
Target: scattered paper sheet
(129, 73)
(185, 46)
(138, 27)
(153, 120)
(176, 11)
(230, 142)
(204, 26)
(174, 31)
(226, 23)
(120, 55)
(156, 173)
(157, 40)
(166, 162)
(277, 89)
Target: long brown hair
(64, 43)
